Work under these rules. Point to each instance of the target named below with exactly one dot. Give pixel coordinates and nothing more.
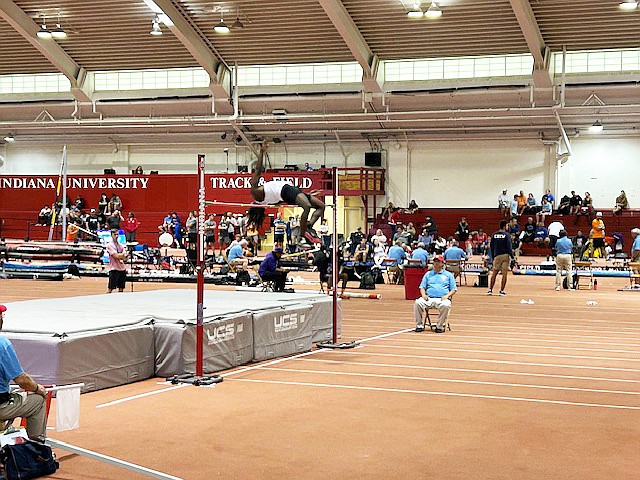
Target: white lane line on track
(472, 370)
(445, 394)
(503, 362)
(446, 341)
(452, 380)
(141, 395)
(493, 352)
(499, 329)
(254, 367)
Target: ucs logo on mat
(288, 321)
(223, 333)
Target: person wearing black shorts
(281, 191)
(117, 268)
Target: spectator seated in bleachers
(430, 225)
(379, 251)
(380, 237)
(355, 238)
(564, 207)
(541, 238)
(420, 254)
(504, 203)
(575, 202)
(462, 231)
(402, 236)
(522, 202)
(528, 231)
(548, 196)
(545, 211)
(44, 217)
(480, 241)
(621, 203)
(586, 207)
(411, 231)
(413, 207)
(532, 207)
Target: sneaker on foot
(420, 328)
(490, 292)
(502, 294)
(310, 238)
(558, 288)
(439, 330)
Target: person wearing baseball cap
(13, 405)
(270, 270)
(436, 289)
(635, 254)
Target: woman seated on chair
(621, 203)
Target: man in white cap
(29, 405)
(635, 254)
(597, 236)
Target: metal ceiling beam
(194, 40)
(351, 35)
(532, 35)
(25, 26)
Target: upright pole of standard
(200, 268)
(64, 194)
(334, 252)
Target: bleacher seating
(489, 218)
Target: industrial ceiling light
(58, 32)
(155, 27)
(597, 127)
(221, 27)
(9, 138)
(433, 11)
(237, 23)
(415, 12)
(629, 5)
(44, 31)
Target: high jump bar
(240, 204)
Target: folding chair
(266, 285)
(457, 268)
(634, 278)
(584, 270)
(432, 325)
(394, 272)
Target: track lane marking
(435, 393)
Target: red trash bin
(412, 278)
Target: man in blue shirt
(270, 270)
(29, 405)
(397, 252)
(564, 258)
(454, 256)
(436, 289)
(420, 254)
(236, 256)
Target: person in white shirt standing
(554, 233)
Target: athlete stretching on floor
(273, 192)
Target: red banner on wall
(143, 193)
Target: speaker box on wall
(109, 171)
(373, 159)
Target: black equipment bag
(27, 460)
(367, 282)
(243, 278)
(565, 282)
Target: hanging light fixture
(629, 5)
(221, 27)
(416, 11)
(237, 23)
(9, 138)
(58, 32)
(155, 27)
(44, 31)
(433, 11)
(597, 127)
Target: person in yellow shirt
(597, 236)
